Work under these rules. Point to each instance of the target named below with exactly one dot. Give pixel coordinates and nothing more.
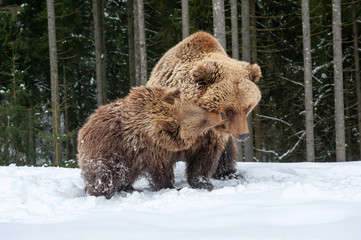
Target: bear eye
(204, 122)
(247, 109)
(229, 113)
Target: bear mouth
(241, 137)
(222, 129)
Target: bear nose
(243, 137)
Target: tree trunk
(30, 158)
(246, 35)
(235, 55)
(338, 78)
(219, 22)
(310, 143)
(131, 47)
(253, 30)
(185, 19)
(357, 72)
(246, 56)
(16, 138)
(234, 23)
(142, 44)
(54, 80)
(100, 51)
(348, 125)
(136, 43)
(257, 109)
(66, 116)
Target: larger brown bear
(138, 135)
(209, 78)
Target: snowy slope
(276, 201)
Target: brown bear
(137, 136)
(200, 67)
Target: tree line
(61, 59)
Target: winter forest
(60, 60)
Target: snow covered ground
(276, 201)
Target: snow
(275, 201)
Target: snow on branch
(288, 152)
(292, 81)
(275, 119)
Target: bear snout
(243, 137)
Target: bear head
(183, 121)
(231, 84)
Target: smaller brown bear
(139, 135)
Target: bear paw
(237, 176)
(201, 183)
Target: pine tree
(131, 43)
(246, 56)
(185, 19)
(219, 22)
(308, 81)
(357, 73)
(338, 77)
(142, 43)
(54, 80)
(100, 51)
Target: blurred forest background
(131, 36)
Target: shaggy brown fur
(209, 78)
(138, 135)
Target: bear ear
(206, 73)
(167, 126)
(254, 72)
(171, 96)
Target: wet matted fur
(138, 135)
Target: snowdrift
(275, 201)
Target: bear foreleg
(161, 176)
(202, 162)
(105, 179)
(227, 162)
